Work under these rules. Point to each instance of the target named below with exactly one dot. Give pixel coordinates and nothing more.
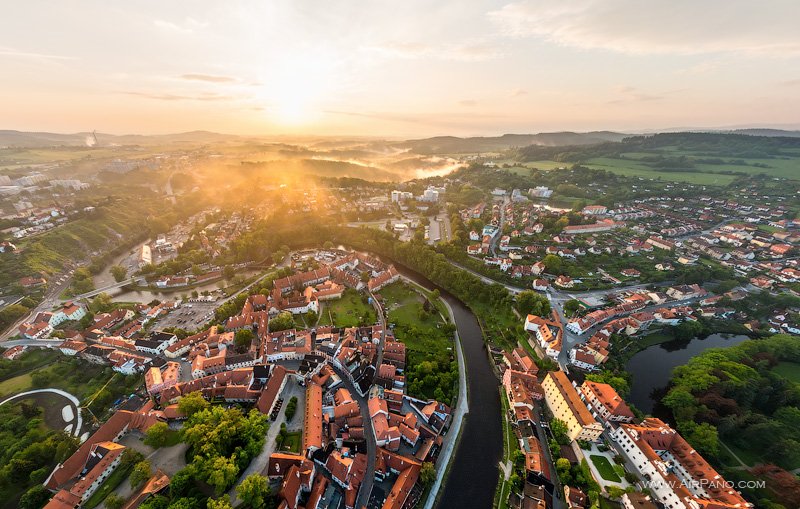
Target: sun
(293, 109)
(294, 87)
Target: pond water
(652, 367)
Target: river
(472, 479)
(652, 367)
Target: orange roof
(312, 423)
(609, 398)
(570, 395)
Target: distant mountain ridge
(456, 145)
(425, 146)
(22, 139)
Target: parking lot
(189, 316)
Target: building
(102, 460)
(594, 210)
(565, 404)
(678, 476)
(69, 311)
(604, 402)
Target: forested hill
(455, 145)
(703, 145)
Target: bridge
(98, 291)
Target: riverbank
(460, 409)
(473, 469)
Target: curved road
(76, 430)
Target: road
(369, 437)
(76, 405)
(50, 301)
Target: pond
(652, 367)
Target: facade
(678, 476)
(565, 404)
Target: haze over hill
(431, 145)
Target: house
(540, 285)
(564, 282)
(32, 282)
(14, 352)
(630, 273)
(69, 311)
(575, 498)
(72, 347)
(565, 404)
(548, 340)
(594, 210)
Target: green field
(605, 468)
(14, 385)
(788, 370)
(351, 310)
(632, 168)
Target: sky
(398, 68)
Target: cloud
(209, 78)
(468, 102)
(675, 27)
(16, 53)
(632, 94)
(518, 92)
(189, 26)
(206, 96)
(472, 51)
(791, 83)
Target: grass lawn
(404, 305)
(14, 385)
(349, 311)
(788, 370)
(605, 468)
(431, 370)
(115, 479)
(291, 443)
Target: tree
(530, 302)
(703, 437)
(228, 272)
(119, 273)
(219, 472)
(114, 501)
(156, 435)
(140, 474)
(192, 403)
(35, 497)
(224, 502)
(254, 491)
(283, 321)
(560, 431)
(552, 263)
(291, 408)
(427, 474)
(243, 339)
(571, 306)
